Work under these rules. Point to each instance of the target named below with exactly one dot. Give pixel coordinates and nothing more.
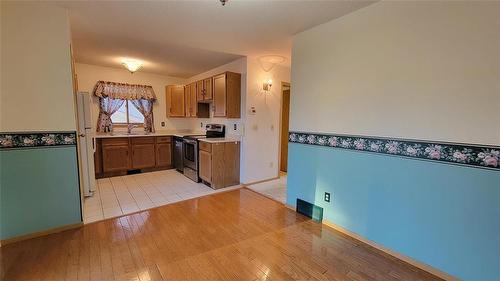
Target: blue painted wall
(447, 216)
(39, 190)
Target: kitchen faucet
(130, 127)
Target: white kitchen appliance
(86, 142)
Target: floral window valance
(124, 91)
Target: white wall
(424, 70)
(36, 82)
(88, 75)
(262, 129)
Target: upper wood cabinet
(199, 90)
(176, 101)
(204, 90)
(191, 101)
(194, 100)
(227, 95)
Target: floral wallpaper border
(36, 139)
(453, 153)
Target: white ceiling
(184, 38)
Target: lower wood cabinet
(205, 160)
(220, 163)
(115, 156)
(164, 154)
(143, 152)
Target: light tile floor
(123, 195)
(275, 189)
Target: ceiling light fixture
(132, 65)
(223, 2)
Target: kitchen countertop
(142, 134)
(217, 140)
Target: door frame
(284, 85)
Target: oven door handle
(190, 141)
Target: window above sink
(127, 114)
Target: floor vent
(310, 210)
(133, 172)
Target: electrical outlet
(235, 127)
(201, 124)
(163, 124)
(327, 197)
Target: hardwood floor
(236, 235)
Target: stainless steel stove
(190, 149)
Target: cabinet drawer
(114, 141)
(205, 146)
(142, 140)
(165, 139)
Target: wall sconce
(267, 85)
(132, 65)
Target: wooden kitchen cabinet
(98, 156)
(227, 95)
(143, 152)
(193, 107)
(191, 101)
(204, 90)
(205, 159)
(199, 91)
(176, 101)
(194, 100)
(115, 155)
(220, 163)
(164, 152)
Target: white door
(86, 139)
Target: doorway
(285, 119)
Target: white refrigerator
(86, 142)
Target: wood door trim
(283, 86)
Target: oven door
(190, 154)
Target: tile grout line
(116, 196)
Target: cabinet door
(163, 154)
(200, 94)
(175, 101)
(219, 95)
(233, 95)
(115, 158)
(187, 98)
(231, 163)
(207, 87)
(143, 156)
(98, 157)
(193, 100)
(205, 166)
